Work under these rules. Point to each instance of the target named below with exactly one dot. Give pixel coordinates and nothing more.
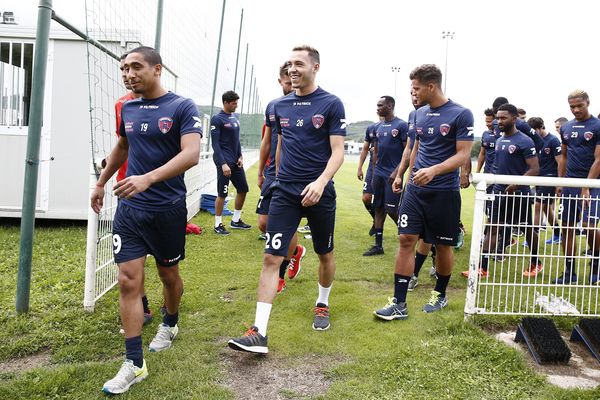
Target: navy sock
(557, 231)
(419, 260)
(282, 268)
(568, 266)
(145, 304)
(400, 287)
(171, 319)
(442, 283)
(379, 237)
(133, 350)
(485, 260)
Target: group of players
(301, 150)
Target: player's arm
(184, 160)
(594, 172)
(411, 155)
(361, 159)
(240, 156)
(465, 171)
(480, 159)
(463, 152)
(533, 169)
(265, 150)
(215, 139)
(562, 166)
(278, 153)
(116, 158)
(402, 165)
(313, 191)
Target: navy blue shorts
(432, 214)
(286, 211)
(238, 178)
(511, 210)
(137, 233)
(266, 193)
(368, 183)
(384, 195)
(571, 206)
(545, 194)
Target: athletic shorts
(384, 196)
(238, 178)
(368, 183)
(266, 193)
(286, 211)
(137, 233)
(488, 203)
(511, 210)
(545, 194)
(432, 214)
(571, 206)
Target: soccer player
(515, 154)
(367, 193)
(266, 177)
(391, 139)
(550, 159)
(431, 204)
(558, 123)
(581, 148)
(311, 125)
(522, 114)
(485, 158)
(160, 136)
(227, 155)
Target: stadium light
(395, 70)
(446, 35)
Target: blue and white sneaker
(565, 279)
(128, 375)
(392, 310)
(436, 302)
(554, 240)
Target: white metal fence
(510, 288)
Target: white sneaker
(164, 337)
(127, 376)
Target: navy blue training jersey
(391, 139)
(225, 138)
(523, 127)
(412, 120)
(581, 138)
(438, 130)
(153, 128)
(488, 144)
(510, 155)
(552, 148)
(305, 124)
(270, 116)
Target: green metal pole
(244, 84)
(212, 103)
(33, 153)
(159, 17)
(237, 57)
(250, 89)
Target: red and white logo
(165, 124)
(588, 136)
(318, 120)
(547, 150)
(394, 132)
(512, 148)
(444, 129)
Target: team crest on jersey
(444, 129)
(318, 120)
(512, 148)
(394, 132)
(547, 150)
(165, 124)
(419, 130)
(588, 136)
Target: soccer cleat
(461, 240)
(128, 375)
(262, 236)
(251, 341)
(148, 317)
(220, 230)
(321, 320)
(372, 230)
(534, 269)
(304, 229)
(392, 310)
(296, 262)
(480, 272)
(373, 251)
(239, 225)
(413, 283)
(281, 285)
(164, 337)
(554, 240)
(565, 279)
(436, 302)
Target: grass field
(71, 353)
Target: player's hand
(261, 180)
(240, 162)
(397, 185)
(97, 199)
(464, 181)
(392, 177)
(312, 193)
(423, 176)
(130, 186)
(558, 191)
(510, 188)
(359, 174)
(585, 197)
(226, 170)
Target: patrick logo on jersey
(165, 124)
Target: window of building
(16, 72)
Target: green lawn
(426, 356)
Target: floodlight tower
(395, 71)
(446, 35)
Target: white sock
(218, 220)
(236, 215)
(324, 294)
(263, 311)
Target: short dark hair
(488, 112)
(521, 111)
(498, 102)
(427, 73)
(561, 120)
(312, 52)
(389, 100)
(151, 56)
(512, 110)
(229, 96)
(536, 123)
(283, 70)
(123, 56)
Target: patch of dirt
(25, 363)
(268, 377)
(581, 372)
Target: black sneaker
(373, 251)
(252, 342)
(321, 321)
(220, 230)
(239, 225)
